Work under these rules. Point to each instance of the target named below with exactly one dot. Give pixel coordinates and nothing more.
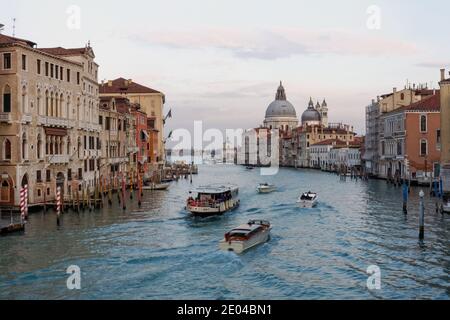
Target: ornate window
(7, 99)
(423, 147)
(7, 150)
(423, 123)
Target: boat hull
(209, 211)
(242, 246)
(307, 204)
(163, 186)
(266, 190)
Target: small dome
(281, 107)
(311, 114)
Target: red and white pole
(58, 204)
(22, 204)
(26, 202)
(123, 192)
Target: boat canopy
(216, 189)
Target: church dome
(311, 114)
(281, 108)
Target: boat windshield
(308, 196)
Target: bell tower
(324, 113)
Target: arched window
(56, 114)
(24, 147)
(47, 104)
(423, 123)
(24, 100)
(39, 147)
(7, 149)
(5, 191)
(38, 102)
(68, 115)
(402, 96)
(51, 105)
(68, 146)
(423, 147)
(7, 99)
(61, 106)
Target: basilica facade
(295, 137)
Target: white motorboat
(213, 200)
(157, 186)
(308, 200)
(266, 188)
(445, 207)
(246, 236)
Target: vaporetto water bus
(215, 199)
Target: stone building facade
(151, 102)
(48, 120)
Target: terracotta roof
(122, 104)
(431, 103)
(60, 51)
(12, 40)
(330, 142)
(122, 85)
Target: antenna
(14, 27)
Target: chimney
(110, 83)
(442, 74)
(130, 81)
(395, 90)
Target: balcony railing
(117, 160)
(5, 117)
(53, 122)
(27, 118)
(58, 159)
(89, 126)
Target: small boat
(215, 199)
(308, 200)
(266, 188)
(12, 228)
(249, 168)
(247, 236)
(157, 186)
(445, 207)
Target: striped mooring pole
(26, 202)
(123, 192)
(58, 205)
(22, 204)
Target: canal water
(160, 252)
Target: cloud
(276, 43)
(432, 65)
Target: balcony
(53, 122)
(117, 160)
(27, 118)
(83, 125)
(5, 117)
(133, 149)
(58, 159)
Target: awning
(58, 132)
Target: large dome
(311, 114)
(281, 108)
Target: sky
(221, 61)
